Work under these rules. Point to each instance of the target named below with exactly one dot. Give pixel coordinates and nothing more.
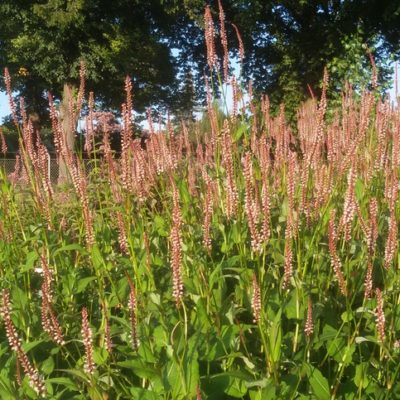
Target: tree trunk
(33, 116)
(68, 127)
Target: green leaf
(240, 131)
(19, 298)
(359, 190)
(236, 236)
(291, 307)
(319, 384)
(100, 356)
(146, 354)
(191, 364)
(347, 356)
(160, 226)
(261, 383)
(361, 339)
(328, 333)
(77, 373)
(275, 337)
(66, 382)
(28, 346)
(83, 283)
(347, 316)
(139, 393)
(6, 390)
(268, 393)
(48, 366)
(97, 258)
(173, 372)
(140, 368)
(71, 247)
(233, 382)
(361, 377)
(237, 388)
(31, 258)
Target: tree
(43, 42)
(49, 39)
(288, 43)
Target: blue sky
(4, 109)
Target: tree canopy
(160, 44)
(44, 42)
(288, 43)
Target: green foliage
(43, 44)
(211, 342)
(264, 319)
(289, 43)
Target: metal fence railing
(7, 165)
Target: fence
(7, 165)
